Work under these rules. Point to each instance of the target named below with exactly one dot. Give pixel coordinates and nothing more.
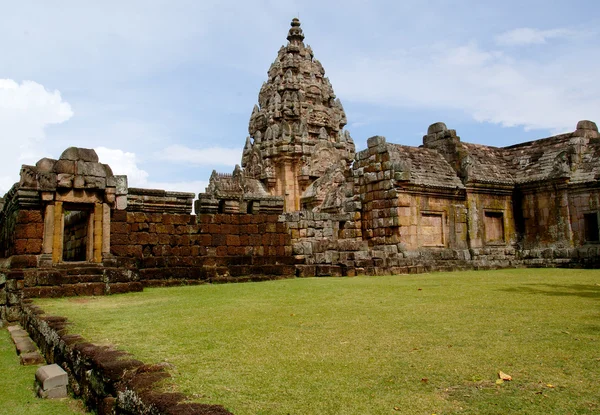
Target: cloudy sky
(163, 89)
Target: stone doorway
(78, 231)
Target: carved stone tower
(297, 129)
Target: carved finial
(295, 34)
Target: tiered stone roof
(298, 116)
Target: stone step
(51, 382)
(26, 348)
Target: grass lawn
(423, 344)
(16, 387)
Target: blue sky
(163, 90)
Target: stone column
(48, 230)
(89, 242)
(57, 239)
(98, 232)
(105, 229)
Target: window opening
(494, 227)
(432, 229)
(591, 227)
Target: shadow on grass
(555, 290)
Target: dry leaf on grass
(504, 376)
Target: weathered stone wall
(373, 174)
(21, 229)
(21, 234)
(108, 381)
(410, 216)
(431, 221)
(166, 248)
(582, 201)
(490, 219)
(545, 210)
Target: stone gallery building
(303, 203)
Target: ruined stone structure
(303, 203)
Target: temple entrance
(77, 235)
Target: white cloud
(123, 162)
(488, 85)
(26, 109)
(529, 36)
(217, 156)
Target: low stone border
(26, 349)
(109, 381)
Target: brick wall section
(373, 173)
(23, 233)
(175, 248)
(22, 246)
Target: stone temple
(303, 202)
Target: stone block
(31, 358)
(13, 328)
(12, 313)
(25, 345)
(54, 393)
(64, 167)
(120, 185)
(78, 182)
(45, 165)
(64, 180)
(121, 202)
(375, 141)
(17, 332)
(437, 127)
(51, 376)
(93, 182)
(86, 168)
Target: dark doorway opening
(76, 232)
(592, 233)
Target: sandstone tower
(297, 129)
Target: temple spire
(295, 35)
(297, 130)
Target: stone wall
(108, 381)
(583, 201)
(401, 206)
(21, 234)
(490, 218)
(545, 210)
(373, 173)
(167, 248)
(21, 227)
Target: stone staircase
(78, 279)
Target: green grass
(424, 344)
(16, 387)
